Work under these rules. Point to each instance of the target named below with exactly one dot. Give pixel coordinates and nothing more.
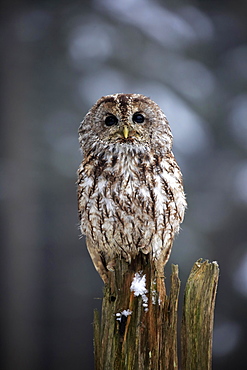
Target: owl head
(126, 122)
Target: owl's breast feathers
(130, 201)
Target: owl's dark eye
(138, 118)
(111, 120)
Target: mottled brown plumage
(130, 191)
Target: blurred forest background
(57, 59)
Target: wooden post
(138, 326)
(198, 316)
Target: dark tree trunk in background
(21, 257)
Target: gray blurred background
(57, 59)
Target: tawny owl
(130, 191)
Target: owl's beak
(125, 132)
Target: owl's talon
(111, 266)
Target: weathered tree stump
(198, 316)
(138, 326)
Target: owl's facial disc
(136, 118)
(124, 133)
(124, 129)
(118, 130)
(126, 121)
(129, 133)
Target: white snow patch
(138, 286)
(126, 312)
(123, 313)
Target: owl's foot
(111, 265)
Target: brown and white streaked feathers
(130, 191)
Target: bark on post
(140, 331)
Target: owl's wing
(97, 260)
